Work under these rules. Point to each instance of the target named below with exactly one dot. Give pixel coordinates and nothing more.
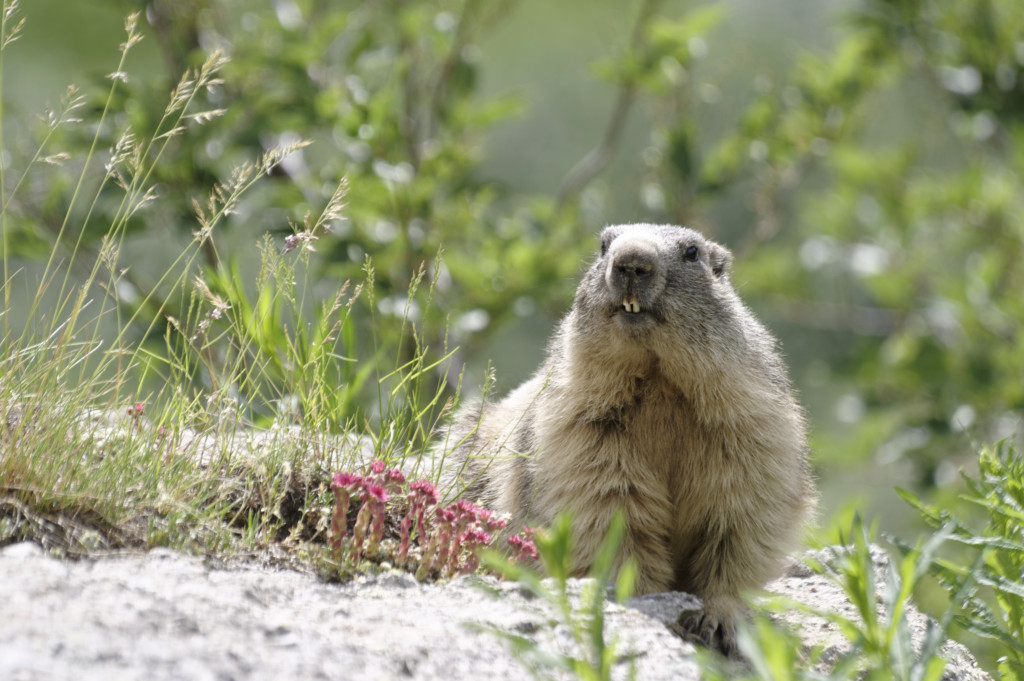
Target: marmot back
(663, 396)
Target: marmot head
(652, 279)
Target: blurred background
(861, 158)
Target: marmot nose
(634, 268)
(634, 276)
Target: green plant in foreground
(594, 656)
(879, 636)
(991, 572)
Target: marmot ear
(720, 259)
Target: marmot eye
(604, 247)
(690, 254)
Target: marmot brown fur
(662, 396)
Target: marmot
(661, 395)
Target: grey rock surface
(163, 615)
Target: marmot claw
(708, 630)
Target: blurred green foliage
(872, 194)
(386, 91)
(908, 234)
(988, 571)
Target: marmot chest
(650, 425)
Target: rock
(163, 615)
(21, 550)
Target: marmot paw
(712, 630)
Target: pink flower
(467, 508)
(392, 481)
(495, 524)
(349, 481)
(465, 519)
(422, 498)
(425, 489)
(472, 541)
(135, 413)
(450, 537)
(522, 548)
(475, 537)
(344, 486)
(444, 533)
(373, 513)
(376, 493)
